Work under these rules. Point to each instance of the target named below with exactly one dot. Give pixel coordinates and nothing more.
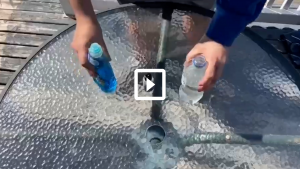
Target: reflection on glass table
(72, 124)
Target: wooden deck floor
(26, 24)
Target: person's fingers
(193, 53)
(220, 70)
(101, 42)
(209, 78)
(92, 73)
(105, 50)
(82, 56)
(198, 49)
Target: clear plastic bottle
(191, 76)
(106, 79)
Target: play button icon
(149, 84)
(153, 84)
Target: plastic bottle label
(93, 61)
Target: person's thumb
(83, 59)
(209, 77)
(197, 50)
(103, 45)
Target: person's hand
(215, 55)
(87, 32)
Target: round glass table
(54, 116)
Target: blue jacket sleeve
(231, 18)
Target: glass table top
(54, 116)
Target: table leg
(160, 61)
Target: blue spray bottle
(105, 79)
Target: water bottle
(105, 79)
(191, 76)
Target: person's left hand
(215, 55)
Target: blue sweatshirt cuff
(225, 27)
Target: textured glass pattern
(54, 116)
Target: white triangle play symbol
(149, 84)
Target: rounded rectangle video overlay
(153, 82)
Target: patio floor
(25, 25)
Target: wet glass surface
(54, 116)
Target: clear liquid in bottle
(191, 76)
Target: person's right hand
(87, 32)
(215, 55)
